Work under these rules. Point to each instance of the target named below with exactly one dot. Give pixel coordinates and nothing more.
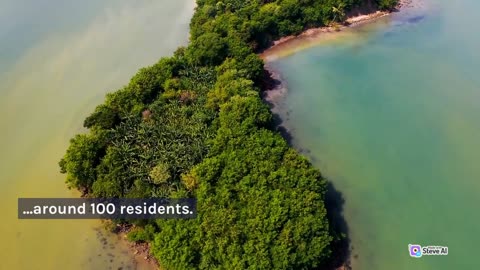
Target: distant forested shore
(194, 125)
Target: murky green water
(391, 115)
(57, 61)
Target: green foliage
(124, 102)
(250, 67)
(387, 4)
(80, 162)
(148, 157)
(250, 214)
(228, 85)
(194, 125)
(143, 88)
(139, 234)
(147, 83)
(160, 174)
(103, 117)
(207, 49)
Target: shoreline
(140, 251)
(291, 44)
(272, 95)
(312, 37)
(275, 51)
(277, 87)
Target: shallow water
(390, 113)
(57, 61)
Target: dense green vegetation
(194, 125)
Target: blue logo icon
(415, 251)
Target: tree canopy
(194, 125)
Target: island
(195, 125)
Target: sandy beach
(312, 37)
(291, 44)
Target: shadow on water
(341, 249)
(272, 82)
(334, 200)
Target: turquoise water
(58, 59)
(391, 115)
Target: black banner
(83, 208)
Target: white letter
(81, 209)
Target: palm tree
(338, 12)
